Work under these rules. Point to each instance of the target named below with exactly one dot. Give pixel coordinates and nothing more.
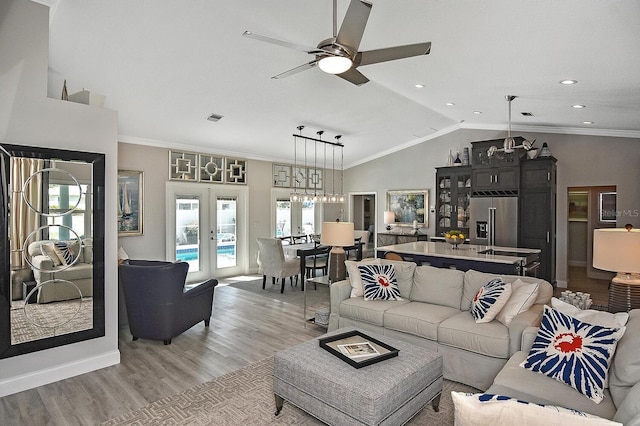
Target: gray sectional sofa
(434, 313)
(622, 398)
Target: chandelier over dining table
(311, 157)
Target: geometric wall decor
(299, 178)
(314, 179)
(183, 166)
(236, 171)
(282, 175)
(211, 168)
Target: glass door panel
(187, 225)
(226, 219)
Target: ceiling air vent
(527, 114)
(215, 117)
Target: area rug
(292, 294)
(245, 397)
(44, 320)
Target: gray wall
(582, 161)
(154, 162)
(28, 117)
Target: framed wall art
(130, 202)
(409, 206)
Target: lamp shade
(337, 234)
(389, 217)
(617, 250)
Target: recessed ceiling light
(477, 112)
(215, 117)
(578, 106)
(449, 104)
(587, 122)
(568, 82)
(418, 86)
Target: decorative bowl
(454, 241)
(532, 153)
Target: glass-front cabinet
(453, 195)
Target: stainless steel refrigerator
(494, 221)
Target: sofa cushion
(625, 368)
(439, 286)
(630, 406)
(67, 251)
(461, 331)
(489, 300)
(404, 275)
(380, 282)
(49, 250)
(573, 352)
(417, 318)
(489, 409)
(592, 316)
(523, 296)
(371, 311)
(357, 287)
(517, 382)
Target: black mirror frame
(98, 188)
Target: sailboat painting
(130, 200)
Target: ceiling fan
(339, 54)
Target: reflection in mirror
(52, 282)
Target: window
(60, 198)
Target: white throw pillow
(357, 287)
(523, 296)
(486, 409)
(49, 250)
(592, 316)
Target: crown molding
(615, 133)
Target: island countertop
(463, 252)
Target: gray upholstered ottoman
(389, 392)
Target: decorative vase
(458, 161)
(465, 156)
(545, 151)
(450, 159)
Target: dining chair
(272, 262)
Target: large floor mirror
(52, 248)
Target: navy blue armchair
(158, 305)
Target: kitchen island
(492, 259)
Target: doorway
(205, 228)
(363, 213)
(590, 207)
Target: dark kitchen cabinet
(498, 174)
(537, 212)
(453, 195)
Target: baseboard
(64, 371)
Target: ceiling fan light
(335, 64)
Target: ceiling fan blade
(354, 76)
(392, 53)
(282, 43)
(352, 27)
(296, 70)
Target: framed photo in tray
(357, 349)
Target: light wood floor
(244, 329)
(578, 281)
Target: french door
(205, 228)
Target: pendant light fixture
(311, 177)
(509, 142)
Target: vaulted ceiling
(167, 65)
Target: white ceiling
(166, 65)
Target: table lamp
(389, 218)
(618, 250)
(338, 235)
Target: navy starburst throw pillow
(489, 300)
(573, 352)
(380, 282)
(64, 252)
